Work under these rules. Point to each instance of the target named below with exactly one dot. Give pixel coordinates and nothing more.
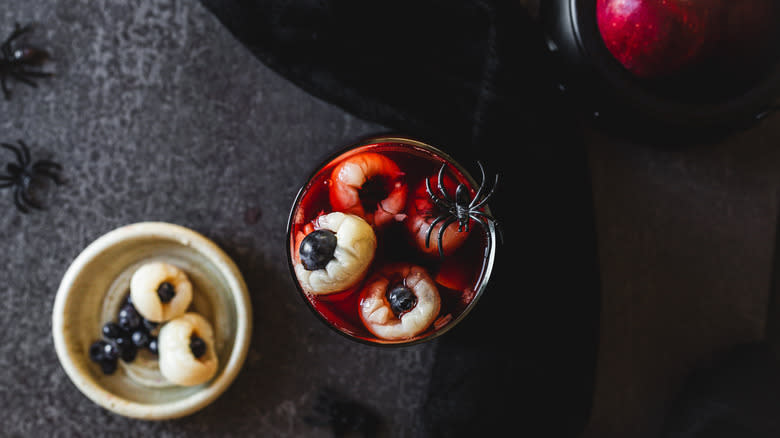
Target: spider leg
(433, 196)
(430, 229)
(6, 91)
(15, 169)
(441, 234)
(19, 201)
(47, 164)
(18, 30)
(480, 220)
(499, 231)
(483, 215)
(21, 78)
(6, 181)
(488, 218)
(441, 184)
(36, 74)
(481, 185)
(47, 167)
(15, 150)
(25, 153)
(487, 232)
(484, 200)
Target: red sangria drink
(391, 242)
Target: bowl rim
(391, 138)
(236, 286)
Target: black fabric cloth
(472, 78)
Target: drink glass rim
(487, 268)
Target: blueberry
(96, 350)
(152, 345)
(166, 292)
(105, 354)
(401, 299)
(127, 350)
(108, 366)
(128, 318)
(140, 338)
(112, 330)
(197, 346)
(110, 351)
(317, 249)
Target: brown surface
(686, 241)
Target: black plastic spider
(344, 416)
(23, 172)
(16, 62)
(461, 208)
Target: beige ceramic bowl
(92, 290)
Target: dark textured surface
(686, 247)
(737, 393)
(157, 113)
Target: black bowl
(698, 104)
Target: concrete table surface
(157, 113)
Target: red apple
(654, 38)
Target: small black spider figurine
(345, 417)
(17, 62)
(460, 208)
(23, 172)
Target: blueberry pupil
(401, 299)
(166, 292)
(317, 249)
(152, 345)
(198, 346)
